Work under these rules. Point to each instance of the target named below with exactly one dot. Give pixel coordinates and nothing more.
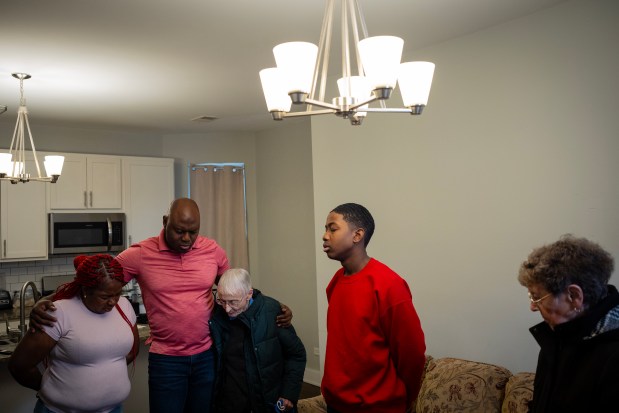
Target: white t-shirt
(87, 369)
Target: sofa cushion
(312, 405)
(518, 393)
(456, 385)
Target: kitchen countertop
(7, 347)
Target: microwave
(85, 232)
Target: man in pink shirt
(176, 271)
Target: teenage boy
(375, 345)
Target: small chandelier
(301, 66)
(13, 164)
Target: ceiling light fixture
(301, 66)
(13, 164)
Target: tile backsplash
(14, 274)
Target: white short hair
(235, 281)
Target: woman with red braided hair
(87, 350)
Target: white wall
(286, 223)
(517, 146)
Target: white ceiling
(153, 65)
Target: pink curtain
(220, 194)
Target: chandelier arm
(18, 136)
(358, 105)
(388, 110)
(309, 113)
(34, 151)
(324, 52)
(364, 29)
(355, 32)
(13, 141)
(322, 104)
(345, 42)
(42, 179)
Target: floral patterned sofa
(456, 385)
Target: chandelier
(302, 66)
(13, 164)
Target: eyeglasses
(539, 300)
(232, 303)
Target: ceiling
(151, 66)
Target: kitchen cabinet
(23, 219)
(88, 182)
(148, 186)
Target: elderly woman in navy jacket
(578, 364)
(259, 366)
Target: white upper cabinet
(88, 182)
(148, 185)
(23, 219)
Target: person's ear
(575, 295)
(165, 220)
(358, 235)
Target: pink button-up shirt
(176, 289)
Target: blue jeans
(181, 384)
(40, 407)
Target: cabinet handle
(85, 199)
(4, 249)
(91, 198)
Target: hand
(39, 316)
(286, 403)
(285, 318)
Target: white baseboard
(312, 376)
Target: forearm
(30, 377)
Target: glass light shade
(415, 79)
(297, 61)
(275, 92)
(357, 87)
(380, 56)
(53, 164)
(5, 163)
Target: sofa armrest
(518, 393)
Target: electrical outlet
(316, 351)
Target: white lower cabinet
(148, 190)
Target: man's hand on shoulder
(285, 318)
(39, 316)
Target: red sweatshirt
(375, 345)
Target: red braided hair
(90, 270)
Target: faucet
(22, 306)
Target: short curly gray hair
(569, 260)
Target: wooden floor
(309, 390)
